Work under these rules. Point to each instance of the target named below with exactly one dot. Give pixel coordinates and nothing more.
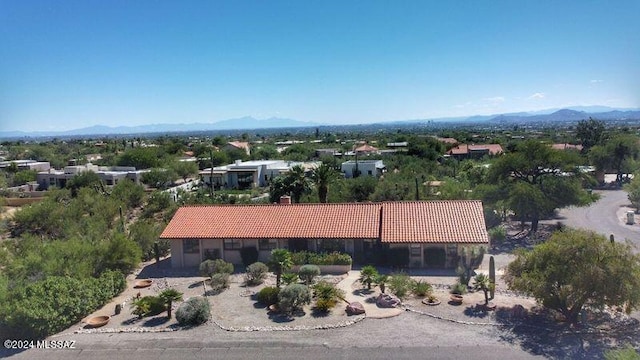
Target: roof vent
(285, 200)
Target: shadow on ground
(540, 333)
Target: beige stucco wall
(176, 253)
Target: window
(331, 245)
(191, 246)
(415, 250)
(369, 172)
(232, 244)
(268, 244)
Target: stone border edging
(355, 320)
(126, 330)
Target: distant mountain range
(571, 114)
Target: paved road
(606, 216)
(406, 336)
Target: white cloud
(495, 99)
(537, 95)
(595, 81)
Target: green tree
(617, 155)
(23, 176)
(575, 268)
(590, 133)
(359, 189)
(169, 296)
(184, 169)
(626, 353)
(280, 262)
(159, 178)
(299, 184)
(633, 192)
(141, 158)
(539, 180)
(84, 179)
(322, 176)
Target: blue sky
(71, 64)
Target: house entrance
(435, 258)
(296, 245)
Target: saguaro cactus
(492, 276)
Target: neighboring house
(239, 145)
(364, 168)
(566, 147)
(466, 151)
(433, 232)
(395, 145)
(447, 140)
(27, 165)
(249, 174)
(365, 149)
(327, 152)
(111, 175)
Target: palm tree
(368, 276)
(483, 282)
(299, 184)
(169, 296)
(322, 176)
(280, 262)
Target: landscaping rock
(388, 301)
(355, 308)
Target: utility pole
(211, 175)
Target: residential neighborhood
(289, 180)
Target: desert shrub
(300, 257)
(268, 295)
(217, 266)
(194, 311)
(458, 288)
(256, 273)
(625, 353)
(290, 278)
(45, 307)
(333, 258)
(308, 272)
(148, 306)
(421, 288)
(326, 295)
(400, 284)
(293, 297)
(497, 234)
(219, 281)
(249, 255)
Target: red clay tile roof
(366, 148)
(494, 149)
(458, 221)
(356, 221)
(452, 221)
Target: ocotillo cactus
(492, 276)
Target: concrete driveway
(606, 216)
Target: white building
(249, 174)
(364, 168)
(111, 175)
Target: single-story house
(467, 151)
(364, 167)
(433, 232)
(238, 145)
(111, 175)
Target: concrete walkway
(365, 297)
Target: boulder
(388, 301)
(355, 308)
